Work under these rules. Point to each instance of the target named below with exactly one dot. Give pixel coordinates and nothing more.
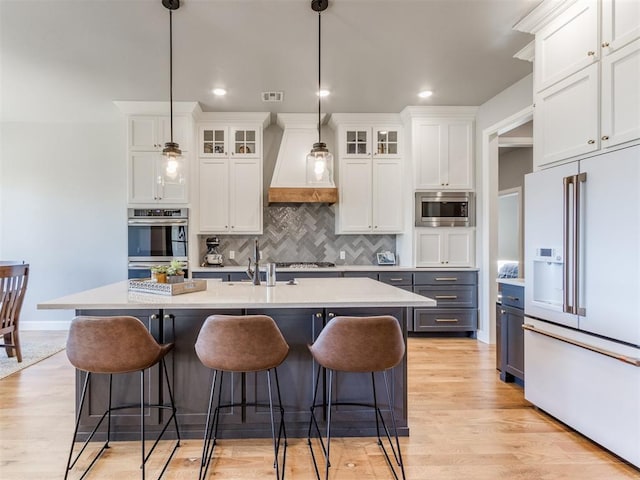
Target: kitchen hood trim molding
(303, 195)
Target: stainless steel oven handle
(159, 223)
(623, 358)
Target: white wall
(507, 103)
(63, 208)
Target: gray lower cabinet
(191, 381)
(224, 276)
(511, 319)
(456, 294)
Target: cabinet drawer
(446, 278)
(373, 275)
(512, 296)
(444, 320)
(397, 278)
(461, 297)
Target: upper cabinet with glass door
(217, 141)
(368, 141)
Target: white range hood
(289, 182)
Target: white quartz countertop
(337, 268)
(518, 282)
(309, 292)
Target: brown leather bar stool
(250, 343)
(358, 344)
(112, 345)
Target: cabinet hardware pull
(446, 279)
(331, 315)
(591, 53)
(447, 320)
(630, 360)
(446, 297)
(512, 298)
(318, 315)
(605, 44)
(591, 142)
(168, 316)
(503, 312)
(605, 137)
(154, 316)
(396, 279)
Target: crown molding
(412, 112)
(157, 108)
(527, 53)
(263, 118)
(542, 14)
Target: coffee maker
(213, 258)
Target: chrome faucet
(254, 274)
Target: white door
(430, 153)
(620, 23)
(245, 142)
(387, 196)
(544, 241)
(245, 202)
(212, 141)
(387, 141)
(621, 95)
(566, 118)
(459, 165)
(355, 196)
(143, 181)
(214, 195)
(181, 131)
(430, 248)
(172, 183)
(143, 133)
(567, 44)
(459, 248)
(355, 141)
(610, 240)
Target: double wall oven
(155, 237)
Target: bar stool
(250, 343)
(358, 344)
(112, 345)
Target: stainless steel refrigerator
(582, 297)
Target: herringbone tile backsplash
(302, 233)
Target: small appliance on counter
(213, 258)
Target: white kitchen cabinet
(230, 173)
(620, 24)
(450, 247)
(443, 153)
(566, 118)
(151, 132)
(369, 173)
(220, 141)
(566, 44)
(621, 95)
(149, 181)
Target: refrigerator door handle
(579, 179)
(566, 271)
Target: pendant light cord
(171, 71)
(319, 71)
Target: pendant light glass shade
(319, 166)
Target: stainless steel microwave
(445, 209)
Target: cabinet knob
(591, 142)
(605, 44)
(605, 137)
(226, 226)
(591, 53)
(331, 315)
(503, 311)
(318, 315)
(376, 226)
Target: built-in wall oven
(155, 237)
(445, 209)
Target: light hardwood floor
(465, 424)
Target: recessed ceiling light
(425, 94)
(219, 92)
(323, 93)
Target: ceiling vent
(272, 96)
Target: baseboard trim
(55, 325)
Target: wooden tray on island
(146, 285)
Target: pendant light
(171, 150)
(319, 160)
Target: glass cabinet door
(386, 142)
(357, 142)
(213, 142)
(245, 142)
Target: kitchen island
(300, 311)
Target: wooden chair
(13, 285)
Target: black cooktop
(305, 264)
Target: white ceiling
(70, 59)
